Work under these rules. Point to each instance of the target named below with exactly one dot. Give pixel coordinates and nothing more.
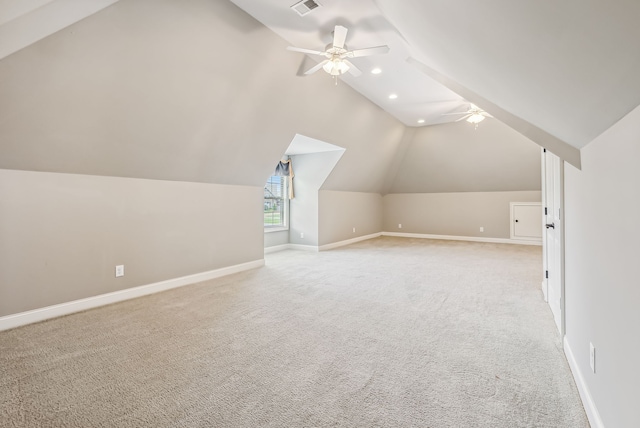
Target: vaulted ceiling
(560, 73)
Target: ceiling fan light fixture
(475, 118)
(335, 67)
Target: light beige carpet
(389, 332)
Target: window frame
(285, 204)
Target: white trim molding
(333, 245)
(348, 241)
(462, 238)
(587, 400)
(41, 314)
(276, 248)
(512, 221)
(316, 248)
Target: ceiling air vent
(305, 6)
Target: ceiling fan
(473, 115)
(337, 55)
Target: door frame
(558, 220)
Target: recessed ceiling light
(393, 96)
(420, 120)
(376, 70)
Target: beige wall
(602, 278)
(61, 235)
(455, 157)
(457, 214)
(340, 212)
(194, 91)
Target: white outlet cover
(119, 271)
(301, 235)
(399, 225)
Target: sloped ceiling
(568, 67)
(187, 91)
(24, 22)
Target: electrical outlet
(592, 357)
(119, 271)
(399, 225)
(301, 235)
(354, 230)
(481, 229)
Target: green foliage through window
(275, 202)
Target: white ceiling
(24, 22)
(303, 145)
(419, 97)
(568, 69)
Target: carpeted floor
(390, 332)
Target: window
(276, 202)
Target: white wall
(602, 274)
(311, 170)
(274, 239)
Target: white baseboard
(325, 247)
(41, 314)
(276, 248)
(301, 247)
(585, 395)
(462, 238)
(348, 241)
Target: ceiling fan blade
(451, 114)
(484, 113)
(353, 70)
(376, 50)
(464, 117)
(339, 36)
(307, 51)
(316, 67)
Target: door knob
(550, 225)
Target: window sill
(275, 229)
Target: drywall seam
(41, 314)
(585, 395)
(462, 238)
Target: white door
(552, 237)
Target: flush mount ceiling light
(393, 96)
(376, 70)
(420, 120)
(337, 55)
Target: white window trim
(271, 229)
